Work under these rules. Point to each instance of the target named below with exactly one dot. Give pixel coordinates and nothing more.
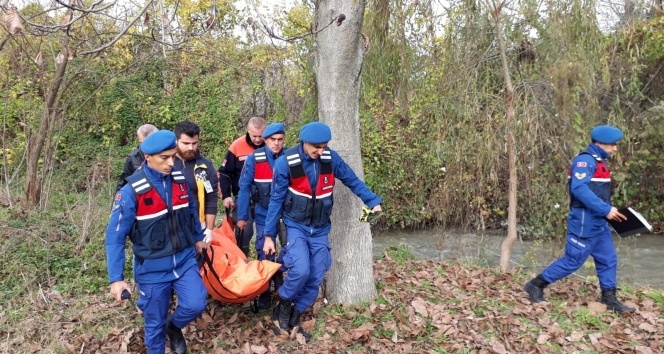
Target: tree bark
(338, 67)
(508, 242)
(33, 183)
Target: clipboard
(635, 223)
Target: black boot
(264, 301)
(535, 289)
(294, 322)
(609, 299)
(277, 280)
(281, 316)
(178, 344)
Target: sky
(608, 11)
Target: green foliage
(208, 99)
(432, 110)
(130, 101)
(18, 108)
(451, 128)
(48, 262)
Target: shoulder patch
(118, 196)
(223, 164)
(581, 164)
(580, 175)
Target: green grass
(379, 300)
(657, 296)
(319, 329)
(383, 332)
(582, 317)
(400, 254)
(17, 224)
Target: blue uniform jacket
(590, 220)
(281, 181)
(120, 225)
(245, 183)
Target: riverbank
(639, 257)
(421, 307)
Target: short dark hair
(186, 127)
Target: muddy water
(640, 258)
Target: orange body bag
(227, 274)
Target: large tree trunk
(508, 242)
(33, 183)
(339, 55)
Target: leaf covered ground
(421, 307)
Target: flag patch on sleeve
(581, 164)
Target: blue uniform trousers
(154, 300)
(577, 251)
(306, 259)
(260, 242)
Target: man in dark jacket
(231, 168)
(200, 174)
(136, 157)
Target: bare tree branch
(119, 35)
(339, 19)
(4, 40)
(84, 12)
(81, 9)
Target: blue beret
(274, 128)
(158, 142)
(315, 133)
(606, 134)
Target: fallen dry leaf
(407, 319)
(596, 307)
(575, 336)
(543, 338)
(647, 327)
(420, 306)
(258, 349)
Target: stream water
(640, 258)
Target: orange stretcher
(227, 274)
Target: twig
(339, 20)
(653, 77)
(85, 12)
(122, 32)
(4, 153)
(41, 292)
